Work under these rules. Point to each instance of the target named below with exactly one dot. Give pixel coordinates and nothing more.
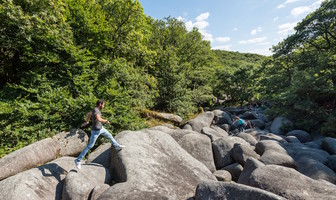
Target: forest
(57, 57)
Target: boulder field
(203, 158)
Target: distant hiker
(242, 124)
(96, 130)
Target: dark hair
(100, 101)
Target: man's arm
(100, 119)
(88, 116)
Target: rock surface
(231, 191)
(290, 183)
(222, 152)
(43, 182)
(199, 146)
(329, 145)
(279, 123)
(303, 136)
(79, 184)
(63, 144)
(202, 120)
(154, 166)
(223, 175)
(101, 155)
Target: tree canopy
(302, 73)
(57, 57)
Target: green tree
(305, 62)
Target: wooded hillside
(58, 57)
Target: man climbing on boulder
(96, 130)
(242, 124)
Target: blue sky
(247, 26)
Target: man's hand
(107, 122)
(84, 124)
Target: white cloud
(255, 31)
(206, 35)
(275, 19)
(300, 10)
(287, 2)
(253, 41)
(222, 39)
(305, 9)
(200, 23)
(202, 16)
(281, 6)
(286, 28)
(189, 25)
(317, 4)
(225, 47)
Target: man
(242, 124)
(96, 130)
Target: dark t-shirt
(96, 125)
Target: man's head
(100, 104)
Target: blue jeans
(93, 138)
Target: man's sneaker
(78, 164)
(120, 147)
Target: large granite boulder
(266, 145)
(250, 165)
(329, 145)
(272, 153)
(273, 157)
(235, 170)
(223, 175)
(98, 190)
(178, 134)
(221, 151)
(249, 115)
(271, 136)
(303, 136)
(302, 151)
(279, 123)
(212, 190)
(153, 166)
(316, 170)
(199, 146)
(248, 138)
(221, 117)
(316, 143)
(289, 183)
(292, 139)
(202, 120)
(101, 155)
(258, 123)
(238, 140)
(213, 134)
(79, 184)
(241, 153)
(64, 144)
(332, 162)
(71, 143)
(43, 182)
(220, 130)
